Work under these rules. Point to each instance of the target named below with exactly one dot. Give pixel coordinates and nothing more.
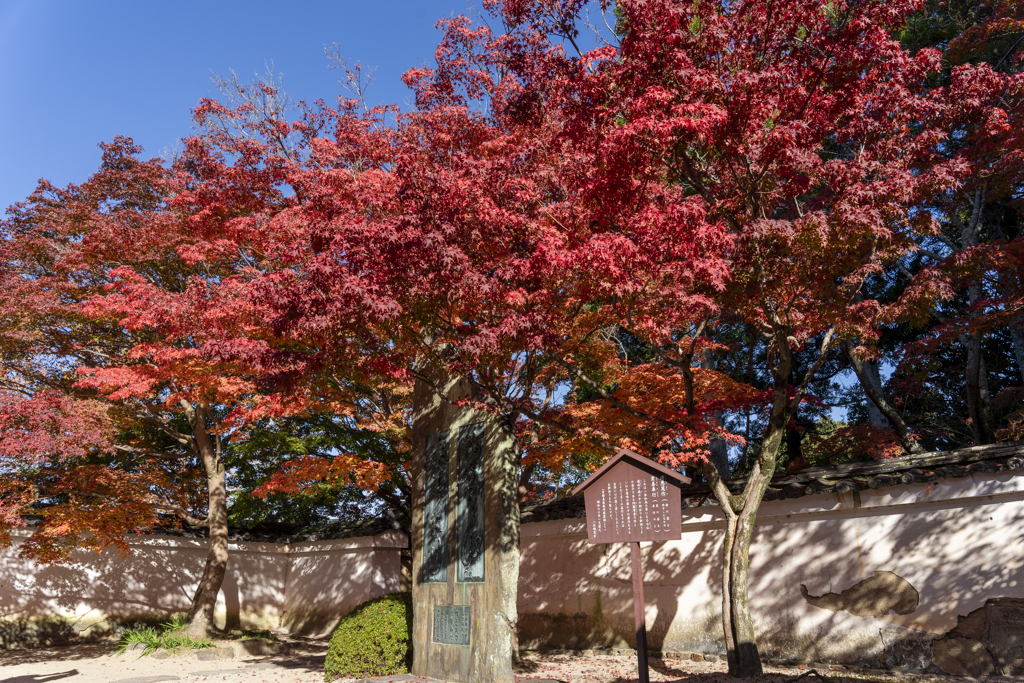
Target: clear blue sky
(77, 72)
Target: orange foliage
(656, 391)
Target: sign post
(632, 499)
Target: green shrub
(373, 640)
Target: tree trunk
(875, 396)
(718, 448)
(977, 382)
(741, 510)
(741, 642)
(874, 380)
(504, 642)
(720, 455)
(200, 615)
(794, 439)
(1017, 335)
(977, 404)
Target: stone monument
(465, 536)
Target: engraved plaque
(470, 508)
(435, 510)
(451, 624)
(633, 499)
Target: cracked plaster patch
(875, 596)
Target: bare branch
(356, 78)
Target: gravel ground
(303, 661)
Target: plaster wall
(901, 577)
(327, 579)
(304, 588)
(945, 549)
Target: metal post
(638, 613)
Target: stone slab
(963, 657)
(420, 679)
(1004, 635)
(219, 672)
(472, 582)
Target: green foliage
(177, 622)
(257, 634)
(268, 444)
(373, 640)
(169, 636)
(146, 634)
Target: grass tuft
(169, 637)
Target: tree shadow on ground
(302, 654)
(65, 653)
(43, 678)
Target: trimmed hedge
(373, 640)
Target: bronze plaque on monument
(435, 512)
(469, 511)
(451, 624)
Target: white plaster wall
(327, 579)
(958, 542)
(305, 588)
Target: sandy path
(102, 664)
(304, 663)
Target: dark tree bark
(978, 408)
(874, 380)
(1017, 335)
(794, 437)
(875, 396)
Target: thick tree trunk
(720, 455)
(875, 398)
(977, 399)
(200, 615)
(505, 641)
(794, 450)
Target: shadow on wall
(93, 596)
(887, 587)
(326, 582)
(881, 584)
(100, 594)
(580, 596)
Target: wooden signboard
(629, 500)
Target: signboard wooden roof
(632, 498)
